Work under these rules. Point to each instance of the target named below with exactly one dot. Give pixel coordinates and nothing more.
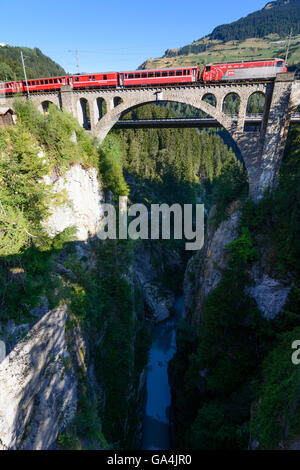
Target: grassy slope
(261, 34)
(270, 46)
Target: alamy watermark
(161, 222)
(296, 354)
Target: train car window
(104, 77)
(137, 75)
(59, 80)
(208, 68)
(130, 75)
(55, 80)
(164, 74)
(90, 78)
(157, 74)
(171, 73)
(279, 64)
(150, 74)
(144, 75)
(42, 82)
(126, 75)
(178, 73)
(50, 81)
(93, 78)
(76, 79)
(184, 72)
(46, 82)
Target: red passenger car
(267, 68)
(95, 80)
(158, 77)
(9, 88)
(46, 84)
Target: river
(156, 426)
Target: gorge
(133, 344)
(96, 303)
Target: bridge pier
(67, 102)
(263, 151)
(276, 131)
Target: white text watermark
(161, 222)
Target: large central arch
(250, 148)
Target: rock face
(38, 383)
(159, 302)
(38, 386)
(204, 270)
(83, 202)
(270, 293)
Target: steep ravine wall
(38, 378)
(218, 283)
(204, 271)
(39, 375)
(38, 386)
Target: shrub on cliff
(59, 134)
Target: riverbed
(156, 426)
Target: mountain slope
(275, 18)
(37, 64)
(261, 34)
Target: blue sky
(114, 34)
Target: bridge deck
(254, 120)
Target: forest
(37, 64)
(277, 17)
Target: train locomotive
(212, 73)
(251, 70)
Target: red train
(267, 68)
(256, 69)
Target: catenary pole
(25, 75)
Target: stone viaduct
(261, 150)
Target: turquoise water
(156, 428)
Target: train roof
(155, 70)
(244, 61)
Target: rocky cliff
(38, 386)
(47, 367)
(233, 359)
(82, 205)
(39, 376)
(204, 271)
